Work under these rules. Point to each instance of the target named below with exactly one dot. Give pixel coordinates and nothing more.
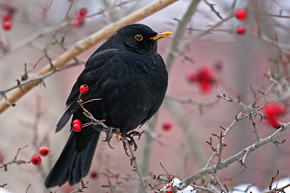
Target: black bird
(130, 77)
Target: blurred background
(237, 62)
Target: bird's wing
(93, 75)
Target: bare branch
(205, 171)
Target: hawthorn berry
(83, 12)
(94, 174)
(36, 160)
(241, 30)
(77, 121)
(205, 77)
(206, 74)
(166, 126)
(80, 16)
(169, 186)
(270, 109)
(241, 14)
(205, 86)
(84, 88)
(7, 17)
(273, 122)
(78, 22)
(7, 25)
(281, 109)
(43, 150)
(77, 127)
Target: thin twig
(219, 182)
(133, 159)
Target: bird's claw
(109, 135)
(130, 137)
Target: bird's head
(137, 37)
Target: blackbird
(130, 78)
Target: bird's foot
(130, 137)
(109, 135)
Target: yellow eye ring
(139, 37)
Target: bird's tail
(76, 158)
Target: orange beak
(161, 35)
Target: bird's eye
(139, 37)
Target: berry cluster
(7, 16)
(77, 125)
(272, 111)
(205, 77)
(241, 14)
(80, 16)
(36, 159)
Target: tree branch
(205, 171)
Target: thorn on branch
(53, 68)
(19, 85)
(25, 75)
(276, 142)
(211, 5)
(3, 95)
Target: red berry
(44, 151)
(77, 121)
(36, 160)
(273, 122)
(205, 86)
(241, 14)
(83, 12)
(169, 186)
(281, 109)
(270, 109)
(77, 22)
(205, 73)
(94, 174)
(7, 25)
(166, 126)
(84, 88)
(241, 30)
(7, 17)
(192, 76)
(77, 127)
